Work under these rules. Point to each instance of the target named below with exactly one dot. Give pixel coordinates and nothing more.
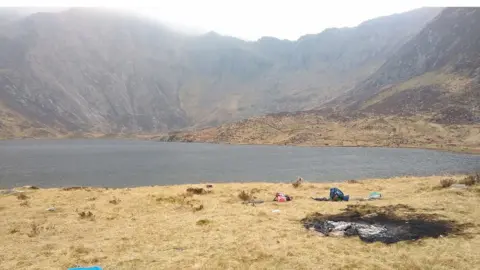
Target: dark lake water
(119, 163)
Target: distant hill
(89, 70)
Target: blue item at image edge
(86, 268)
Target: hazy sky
(251, 19)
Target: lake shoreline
(239, 183)
(184, 137)
(470, 151)
(155, 138)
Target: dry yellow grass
(165, 228)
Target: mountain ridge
(84, 71)
(437, 69)
(426, 94)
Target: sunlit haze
(252, 19)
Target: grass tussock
(198, 208)
(198, 191)
(203, 222)
(468, 181)
(255, 190)
(114, 201)
(447, 182)
(471, 180)
(297, 182)
(80, 250)
(161, 230)
(170, 199)
(245, 196)
(21, 196)
(25, 203)
(86, 215)
(34, 230)
(183, 199)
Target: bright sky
(252, 19)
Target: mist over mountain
(90, 70)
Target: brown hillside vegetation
(312, 129)
(168, 228)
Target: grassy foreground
(163, 228)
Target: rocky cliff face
(91, 70)
(83, 70)
(436, 72)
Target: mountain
(435, 73)
(426, 94)
(91, 70)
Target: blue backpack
(338, 193)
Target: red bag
(280, 197)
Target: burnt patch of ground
(387, 224)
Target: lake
(122, 163)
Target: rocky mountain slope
(427, 94)
(436, 73)
(85, 70)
